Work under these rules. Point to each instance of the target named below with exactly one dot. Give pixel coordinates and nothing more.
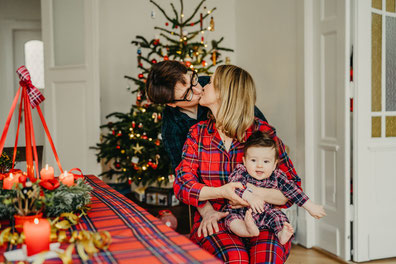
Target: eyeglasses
(189, 93)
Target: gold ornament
(227, 60)
(137, 148)
(212, 24)
(214, 57)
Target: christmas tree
(132, 145)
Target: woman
(212, 150)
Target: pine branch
(205, 16)
(193, 14)
(181, 7)
(139, 43)
(176, 14)
(168, 31)
(169, 39)
(162, 10)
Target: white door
(375, 133)
(70, 35)
(331, 124)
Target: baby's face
(260, 162)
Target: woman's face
(209, 96)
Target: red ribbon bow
(35, 96)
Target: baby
(260, 169)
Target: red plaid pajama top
(205, 162)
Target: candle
(47, 173)
(9, 181)
(37, 236)
(67, 178)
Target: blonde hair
(237, 95)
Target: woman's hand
(255, 202)
(209, 224)
(227, 191)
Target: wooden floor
(301, 255)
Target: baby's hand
(315, 210)
(255, 202)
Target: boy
(259, 168)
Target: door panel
(70, 34)
(331, 124)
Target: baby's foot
(285, 234)
(251, 226)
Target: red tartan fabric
(137, 236)
(35, 96)
(205, 162)
(233, 249)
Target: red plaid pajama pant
(233, 249)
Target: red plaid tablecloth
(137, 236)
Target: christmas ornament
(140, 125)
(135, 159)
(137, 148)
(227, 60)
(144, 136)
(122, 151)
(140, 75)
(155, 117)
(201, 21)
(159, 136)
(214, 55)
(118, 147)
(171, 178)
(192, 24)
(166, 57)
(133, 124)
(212, 24)
(168, 218)
(166, 24)
(154, 61)
(152, 14)
(204, 63)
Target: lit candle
(9, 181)
(47, 173)
(67, 178)
(37, 236)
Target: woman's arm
(189, 188)
(271, 196)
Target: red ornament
(140, 64)
(154, 61)
(141, 76)
(118, 165)
(204, 63)
(118, 147)
(188, 63)
(192, 24)
(133, 124)
(166, 24)
(176, 26)
(129, 181)
(156, 42)
(154, 166)
(119, 134)
(113, 132)
(140, 125)
(144, 136)
(202, 38)
(159, 117)
(157, 142)
(166, 57)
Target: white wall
(266, 32)
(122, 20)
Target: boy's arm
(271, 196)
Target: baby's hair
(261, 139)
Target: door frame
(7, 74)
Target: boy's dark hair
(162, 79)
(261, 139)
